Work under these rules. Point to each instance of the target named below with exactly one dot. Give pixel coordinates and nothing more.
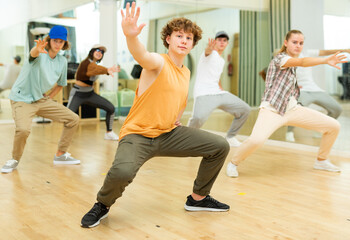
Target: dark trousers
(77, 98)
(134, 150)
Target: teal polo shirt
(38, 76)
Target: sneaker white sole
(7, 170)
(66, 162)
(112, 139)
(232, 176)
(198, 209)
(96, 223)
(328, 170)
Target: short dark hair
(17, 58)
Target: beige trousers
(269, 121)
(23, 114)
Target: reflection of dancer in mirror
(209, 94)
(11, 73)
(45, 70)
(279, 105)
(310, 93)
(83, 92)
(152, 127)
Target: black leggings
(77, 98)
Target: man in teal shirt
(45, 70)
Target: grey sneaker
(65, 158)
(9, 166)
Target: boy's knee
(73, 121)
(121, 174)
(22, 132)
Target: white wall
(313, 30)
(337, 7)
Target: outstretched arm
(210, 47)
(332, 60)
(332, 51)
(39, 48)
(148, 61)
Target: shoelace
(212, 199)
(96, 210)
(67, 155)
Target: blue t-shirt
(39, 76)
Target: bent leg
(97, 101)
(311, 119)
(23, 114)
(203, 106)
(133, 151)
(48, 108)
(236, 107)
(266, 123)
(332, 107)
(192, 142)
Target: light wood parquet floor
(277, 196)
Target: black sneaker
(206, 204)
(94, 216)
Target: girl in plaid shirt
(279, 106)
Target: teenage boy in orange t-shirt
(152, 127)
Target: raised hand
(129, 21)
(211, 44)
(113, 69)
(334, 59)
(40, 46)
(210, 47)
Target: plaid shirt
(280, 84)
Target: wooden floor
(277, 196)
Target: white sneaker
(290, 137)
(111, 136)
(231, 170)
(9, 166)
(233, 142)
(326, 165)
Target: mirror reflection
(253, 34)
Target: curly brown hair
(66, 45)
(177, 24)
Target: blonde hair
(288, 35)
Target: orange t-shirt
(156, 110)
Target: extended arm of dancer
(312, 61)
(148, 60)
(332, 51)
